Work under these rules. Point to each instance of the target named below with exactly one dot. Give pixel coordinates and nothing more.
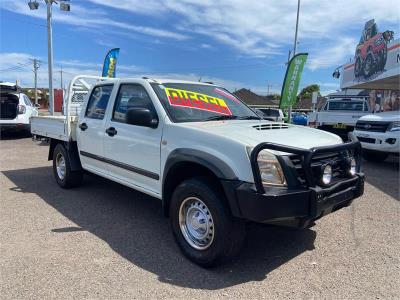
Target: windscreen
(186, 102)
(346, 105)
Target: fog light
(327, 174)
(353, 166)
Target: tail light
(313, 124)
(21, 109)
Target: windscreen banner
(292, 79)
(110, 63)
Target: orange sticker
(189, 99)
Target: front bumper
(295, 206)
(388, 142)
(14, 126)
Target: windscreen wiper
(221, 117)
(249, 118)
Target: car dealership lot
(103, 240)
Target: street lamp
(64, 6)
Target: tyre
(357, 67)
(202, 224)
(374, 156)
(382, 59)
(369, 66)
(62, 169)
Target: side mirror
(37, 105)
(141, 116)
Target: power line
(12, 68)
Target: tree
(306, 93)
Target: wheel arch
(72, 151)
(184, 164)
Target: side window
(98, 101)
(130, 95)
(27, 101)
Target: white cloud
(72, 68)
(91, 18)
(265, 28)
(333, 54)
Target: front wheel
(65, 177)
(375, 156)
(203, 227)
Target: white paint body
(148, 148)
(380, 138)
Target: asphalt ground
(103, 240)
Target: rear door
(91, 128)
(133, 152)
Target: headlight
(270, 169)
(394, 126)
(353, 166)
(326, 174)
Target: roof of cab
(156, 80)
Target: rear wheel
(374, 156)
(65, 177)
(369, 66)
(203, 227)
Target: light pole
(294, 49)
(64, 6)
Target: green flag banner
(292, 80)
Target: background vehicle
(339, 115)
(273, 114)
(299, 118)
(371, 52)
(16, 108)
(379, 135)
(212, 162)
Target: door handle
(111, 131)
(83, 126)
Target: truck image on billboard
(371, 51)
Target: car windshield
(189, 102)
(346, 105)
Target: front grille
(366, 140)
(375, 126)
(338, 160)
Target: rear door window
(27, 101)
(346, 105)
(98, 101)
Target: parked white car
(339, 115)
(379, 135)
(273, 114)
(15, 108)
(212, 162)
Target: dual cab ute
(212, 162)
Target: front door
(133, 152)
(90, 131)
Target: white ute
(212, 162)
(379, 135)
(339, 115)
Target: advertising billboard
(376, 63)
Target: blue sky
(234, 43)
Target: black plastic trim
(122, 165)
